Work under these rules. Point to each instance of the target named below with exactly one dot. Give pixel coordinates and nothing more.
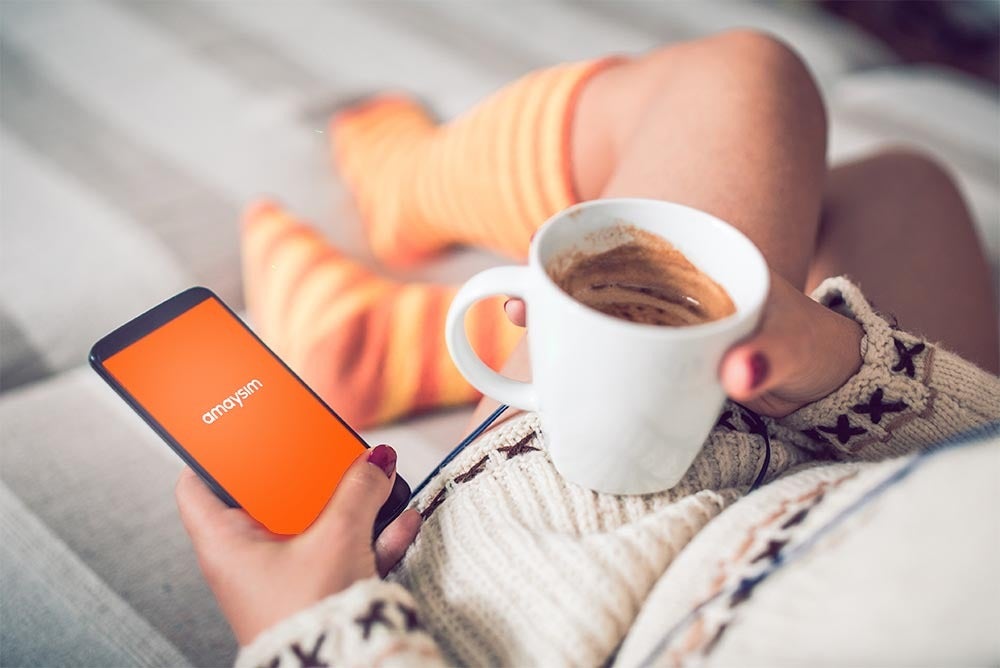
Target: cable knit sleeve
(909, 393)
(371, 623)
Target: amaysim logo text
(235, 400)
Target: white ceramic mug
(625, 407)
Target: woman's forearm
(908, 394)
(372, 623)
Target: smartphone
(258, 436)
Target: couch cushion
(73, 268)
(102, 482)
(55, 612)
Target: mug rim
(729, 322)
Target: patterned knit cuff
(907, 394)
(372, 622)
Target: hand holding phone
(260, 579)
(240, 418)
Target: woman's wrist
(906, 394)
(837, 357)
(800, 353)
(353, 626)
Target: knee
(755, 46)
(756, 64)
(768, 62)
(914, 171)
(904, 183)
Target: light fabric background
(131, 134)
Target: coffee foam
(634, 275)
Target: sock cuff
(581, 73)
(488, 178)
(509, 158)
(551, 97)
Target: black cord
(755, 423)
(765, 465)
(483, 426)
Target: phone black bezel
(160, 315)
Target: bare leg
(733, 125)
(896, 224)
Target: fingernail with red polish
(505, 304)
(758, 370)
(383, 457)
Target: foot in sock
(371, 347)
(489, 178)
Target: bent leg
(896, 224)
(732, 124)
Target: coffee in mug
(642, 279)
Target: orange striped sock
(373, 348)
(488, 178)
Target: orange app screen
(240, 414)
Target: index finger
(516, 312)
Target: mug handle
(511, 281)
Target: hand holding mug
(801, 352)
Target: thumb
(360, 494)
(802, 352)
(763, 361)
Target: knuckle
(336, 536)
(363, 480)
(362, 476)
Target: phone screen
(237, 410)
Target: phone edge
(97, 355)
(164, 435)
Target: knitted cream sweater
(516, 566)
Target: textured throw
(516, 566)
